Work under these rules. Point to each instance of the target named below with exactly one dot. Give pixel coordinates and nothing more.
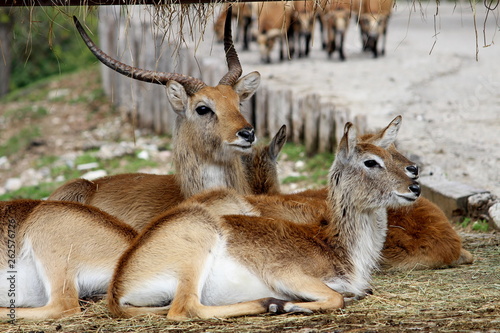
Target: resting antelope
(244, 265)
(54, 253)
(419, 236)
(211, 135)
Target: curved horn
(233, 63)
(190, 84)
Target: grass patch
(39, 191)
(313, 170)
(20, 141)
(475, 225)
(29, 111)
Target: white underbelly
(229, 282)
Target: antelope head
(208, 117)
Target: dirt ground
(449, 101)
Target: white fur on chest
(213, 176)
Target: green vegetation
(20, 141)
(475, 225)
(314, 169)
(40, 191)
(45, 43)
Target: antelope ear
(388, 135)
(178, 97)
(347, 143)
(277, 143)
(247, 85)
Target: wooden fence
(134, 39)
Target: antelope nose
(415, 188)
(247, 134)
(413, 169)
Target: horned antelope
(54, 253)
(211, 135)
(244, 264)
(419, 236)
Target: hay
(457, 299)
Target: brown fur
(419, 236)
(290, 260)
(210, 136)
(261, 167)
(275, 22)
(69, 241)
(373, 22)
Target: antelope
(120, 195)
(419, 236)
(54, 253)
(243, 15)
(261, 166)
(304, 14)
(210, 136)
(249, 264)
(335, 19)
(275, 21)
(373, 22)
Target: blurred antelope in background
(244, 265)
(244, 16)
(373, 20)
(210, 137)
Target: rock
(13, 184)
(143, 155)
(494, 213)
(113, 150)
(32, 177)
(57, 93)
(91, 175)
(87, 166)
(4, 163)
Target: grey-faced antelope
(419, 235)
(54, 253)
(245, 265)
(210, 136)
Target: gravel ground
(450, 101)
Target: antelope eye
(371, 163)
(203, 110)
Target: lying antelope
(419, 236)
(211, 135)
(245, 265)
(54, 253)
